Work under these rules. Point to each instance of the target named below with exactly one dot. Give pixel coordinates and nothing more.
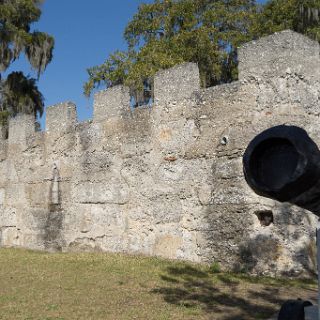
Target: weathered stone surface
(186, 81)
(167, 180)
(60, 117)
(111, 103)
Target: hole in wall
(265, 217)
(224, 140)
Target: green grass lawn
(38, 285)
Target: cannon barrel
(283, 163)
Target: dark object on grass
(283, 163)
(293, 310)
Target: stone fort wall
(167, 180)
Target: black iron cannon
(283, 163)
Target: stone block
(21, 127)
(176, 84)
(113, 102)
(61, 117)
(278, 54)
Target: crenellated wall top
(268, 57)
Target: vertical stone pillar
(176, 84)
(111, 103)
(20, 127)
(61, 117)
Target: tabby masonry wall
(167, 180)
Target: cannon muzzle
(283, 163)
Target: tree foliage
(208, 32)
(298, 15)
(18, 92)
(21, 95)
(167, 32)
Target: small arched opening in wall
(265, 217)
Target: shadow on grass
(223, 296)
